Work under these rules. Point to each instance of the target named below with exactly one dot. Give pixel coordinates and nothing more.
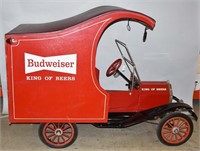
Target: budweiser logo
(63, 63)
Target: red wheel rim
(175, 130)
(58, 134)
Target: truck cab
(53, 80)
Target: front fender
(161, 110)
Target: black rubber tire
(172, 116)
(42, 137)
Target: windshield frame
(129, 61)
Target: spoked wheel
(175, 129)
(58, 135)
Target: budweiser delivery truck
(53, 80)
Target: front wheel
(175, 129)
(58, 135)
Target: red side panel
(50, 77)
(123, 101)
(153, 94)
(148, 96)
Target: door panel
(123, 101)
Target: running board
(121, 120)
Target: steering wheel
(113, 67)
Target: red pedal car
(53, 80)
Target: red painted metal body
(51, 94)
(148, 96)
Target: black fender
(142, 116)
(172, 107)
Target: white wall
(170, 52)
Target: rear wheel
(58, 135)
(175, 129)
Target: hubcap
(58, 132)
(175, 130)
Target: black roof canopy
(63, 24)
